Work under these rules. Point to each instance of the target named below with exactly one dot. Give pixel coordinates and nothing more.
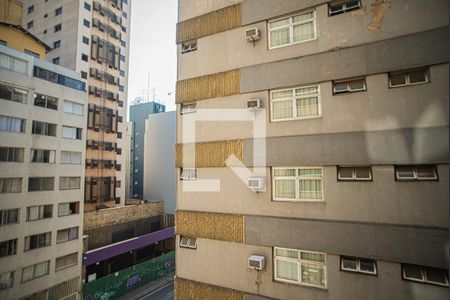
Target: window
(124, 14)
(41, 184)
(9, 154)
(85, 40)
(39, 212)
(11, 93)
(71, 132)
(46, 15)
(13, 64)
(84, 57)
(349, 86)
(56, 60)
(86, 23)
(68, 234)
(66, 261)
(188, 47)
(30, 25)
(188, 242)
(361, 265)
(69, 183)
(83, 75)
(425, 274)
(10, 185)
(6, 280)
(59, 79)
(354, 173)
(67, 209)
(30, 9)
(68, 157)
(188, 174)
(57, 44)
(43, 128)
(8, 248)
(35, 271)
(188, 108)
(123, 43)
(9, 216)
(412, 77)
(302, 267)
(29, 52)
(122, 58)
(73, 108)
(4, 43)
(409, 173)
(38, 241)
(58, 11)
(292, 30)
(87, 6)
(57, 28)
(42, 156)
(339, 7)
(297, 103)
(45, 101)
(297, 184)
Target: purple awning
(96, 255)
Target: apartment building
(92, 38)
(43, 115)
(139, 113)
(351, 201)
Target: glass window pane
(357, 85)
(310, 189)
(417, 76)
(426, 172)
(405, 172)
(284, 172)
(340, 87)
(281, 94)
(286, 253)
(279, 37)
(68, 106)
(285, 188)
(436, 275)
(362, 173)
(397, 79)
(27, 273)
(304, 91)
(279, 23)
(303, 32)
(314, 172)
(345, 173)
(349, 263)
(367, 266)
(313, 274)
(303, 17)
(307, 107)
(414, 272)
(282, 110)
(313, 256)
(286, 270)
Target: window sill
(296, 119)
(299, 201)
(298, 284)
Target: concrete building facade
(159, 151)
(42, 150)
(92, 38)
(138, 117)
(354, 203)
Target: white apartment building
(43, 117)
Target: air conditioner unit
(256, 183)
(257, 262)
(252, 34)
(254, 104)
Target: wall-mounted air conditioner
(252, 34)
(254, 104)
(257, 262)
(256, 183)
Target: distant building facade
(138, 116)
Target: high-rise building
(138, 116)
(346, 192)
(92, 38)
(43, 113)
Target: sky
(153, 50)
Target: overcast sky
(153, 48)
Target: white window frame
(297, 187)
(424, 277)
(191, 174)
(344, 8)
(185, 110)
(72, 104)
(416, 174)
(407, 80)
(185, 242)
(187, 47)
(349, 89)
(294, 98)
(291, 28)
(358, 265)
(299, 261)
(354, 178)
